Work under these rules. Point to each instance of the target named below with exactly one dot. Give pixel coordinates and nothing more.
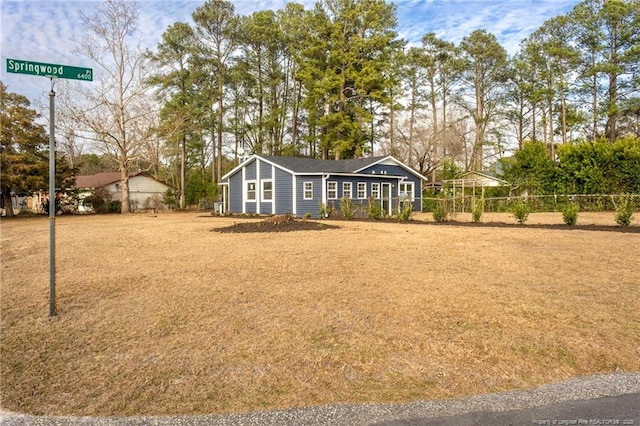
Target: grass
(158, 315)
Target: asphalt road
(594, 400)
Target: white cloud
(43, 31)
(509, 20)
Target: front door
(386, 198)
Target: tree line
(336, 81)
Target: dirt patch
(281, 223)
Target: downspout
(294, 201)
(258, 187)
(274, 207)
(225, 189)
(243, 190)
(324, 192)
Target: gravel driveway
(563, 394)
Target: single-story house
(269, 185)
(144, 190)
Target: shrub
(115, 206)
(520, 211)
(478, 208)
(346, 207)
(307, 216)
(375, 210)
(323, 212)
(570, 214)
(98, 200)
(169, 199)
(406, 212)
(624, 210)
(440, 213)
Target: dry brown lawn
(159, 315)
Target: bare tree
(115, 114)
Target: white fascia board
(367, 175)
(237, 168)
(398, 163)
(484, 175)
(274, 164)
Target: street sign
(52, 71)
(18, 66)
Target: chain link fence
(538, 203)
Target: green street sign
(18, 66)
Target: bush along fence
(624, 205)
(537, 203)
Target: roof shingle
(312, 165)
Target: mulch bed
(276, 224)
(288, 223)
(564, 227)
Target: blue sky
(44, 31)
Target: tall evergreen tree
(607, 32)
(174, 79)
(346, 63)
(216, 26)
(24, 151)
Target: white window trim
(364, 194)
(246, 191)
(263, 199)
(304, 190)
(411, 195)
(344, 185)
(375, 193)
(329, 183)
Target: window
(251, 191)
(405, 191)
(346, 190)
(362, 190)
(332, 190)
(308, 191)
(267, 190)
(375, 191)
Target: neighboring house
(479, 180)
(144, 191)
(292, 185)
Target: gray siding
(251, 207)
(235, 192)
(266, 207)
(400, 171)
(250, 171)
(354, 183)
(309, 206)
(283, 185)
(265, 170)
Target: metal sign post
(52, 71)
(52, 203)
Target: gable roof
(483, 175)
(312, 165)
(303, 165)
(102, 179)
(97, 180)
